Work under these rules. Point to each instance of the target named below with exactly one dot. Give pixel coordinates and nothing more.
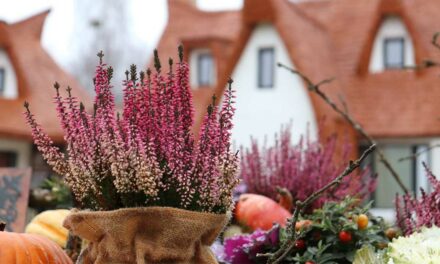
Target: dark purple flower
(243, 249)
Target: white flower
(423, 247)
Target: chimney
(256, 11)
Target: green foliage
(323, 238)
(56, 193)
(59, 190)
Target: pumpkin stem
(285, 198)
(2, 226)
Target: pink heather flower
(414, 213)
(147, 155)
(302, 169)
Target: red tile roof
(214, 30)
(392, 103)
(36, 73)
(330, 38)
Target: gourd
(17, 248)
(50, 224)
(260, 212)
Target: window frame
(211, 81)
(11, 158)
(415, 178)
(260, 68)
(2, 80)
(386, 41)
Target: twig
(416, 155)
(287, 247)
(344, 103)
(316, 89)
(434, 40)
(73, 246)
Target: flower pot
(146, 235)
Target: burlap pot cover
(146, 235)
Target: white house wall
(261, 111)
(10, 79)
(391, 27)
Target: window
(266, 67)
(2, 81)
(394, 53)
(205, 70)
(8, 159)
(411, 172)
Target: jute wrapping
(146, 235)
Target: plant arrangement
(155, 193)
(414, 213)
(146, 155)
(302, 169)
(331, 234)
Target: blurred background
(372, 47)
(74, 30)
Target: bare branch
(434, 40)
(288, 246)
(316, 88)
(343, 102)
(416, 155)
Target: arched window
(393, 47)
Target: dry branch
(288, 246)
(316, 89)
(416, 155)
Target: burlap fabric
(146, 235)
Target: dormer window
(8, 82)
(205, 70)
(393, 47)
(394, 53)
(2, 81)
(266, 63)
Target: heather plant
(146, 155)
(302, 169)
(413, 213)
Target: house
(364, 44)
(27, 73)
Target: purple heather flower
(301, 168)
(149, 148)
(412, 213)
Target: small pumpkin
(18, 248)
(260, 212)
(50, 224)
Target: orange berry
(362, 221)
(391, 233)
(302, 224)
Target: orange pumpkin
(259, 212)
(18, 248)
